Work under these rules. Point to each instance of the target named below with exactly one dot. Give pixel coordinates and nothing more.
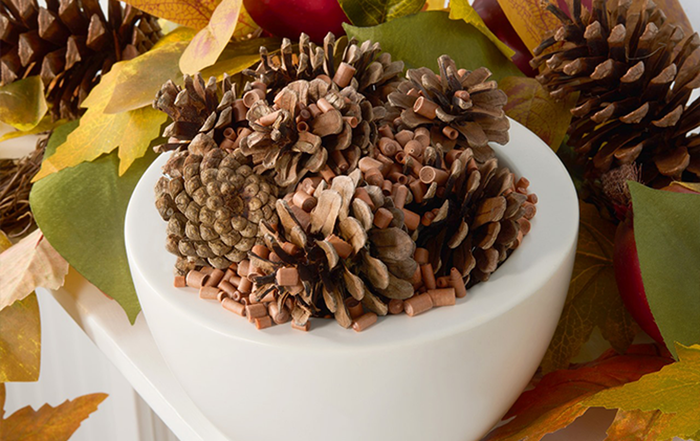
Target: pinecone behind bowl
(70, 44)
(634, 71)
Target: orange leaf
(245, 25)
(191, 13)
(530, 20)
(557, 400)
(48, 423)
(636, 425)
(593, 300)
(207, 45)
(532, 106)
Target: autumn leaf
(374, 12)
(210, 42)
(48, 423)
(435, 5)
(560, 397)
(530, 20)
(532, 106)
(30, 263)
(674, 390)
(245, 25)
(636, 425)
(22, 103)
(193, 14)
(20, 336)
(238, 56)
(46, 124)
(462, 10)
(100, 133)
(593, 299)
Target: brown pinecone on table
(213, 204)
(343, 61)
(346, 243)
(461, 108)
(311, 127)
(70, 44)
(480, 219)
(635, 71)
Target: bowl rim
(541, 256)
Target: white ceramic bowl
(448, 375)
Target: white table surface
(133, 351)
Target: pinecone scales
(70, 45)
(635, 71)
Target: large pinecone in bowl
(462, 106)
(213, 204)
(339, 251)
(634, 71)
(70, 44)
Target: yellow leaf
(20, 341)
(100, 133)
(48, 423)
(245, 25)
(30, 263)
(530, 19)
(593, 299)
(532, 106)
(210, 42)
(462, 10)
(194, 14)
(435, 5)
(47, 123)
(140, 78)
(22, 103)
(238, 56)
(636, 425)
(674, 390)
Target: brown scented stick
(411, 219)
(208, 292)
(525, 225)
(444, 282)
(302, 126)
(417, 304)
(230, 133)
(422, 135)
(235, 280)
(401, 157)
(263, 322)
(463, 95)
(382, 218)
(196, 279)
(458, 283)
(227, 144)
(324, 106)
(206, 270)
(340, 161)
(388, 146)
(246, 286)
(352, 121)
(427, 219)
(253, 96)
(403, 137)
(233, 306)
(228, 288)
(243, 267)
(261, 251)
(256, 310)
(361, 193)
(442, 297)
(421, 256)
(221, 296)
(215, 277)
(343, 75)
(278, 315)
(426, 270)
(452, 155)
(304, 201)
(364, 322)
(367, 164)
(305, 327)
(529, 210)
(180, 282)
(417, 278)
(386, 132)
(374, 177)
(343, 248)
(418, 190)
(268, 119)
(429, 174)
(401, 195)
(395, 306)
(414, 148)
(450, 132)
(313, 110)
(387, 188)
(532, 198)
(244, 132)
(239, 111)
(354, 307)
(425, 107)
(308, 185)
(290, 248)
(274, 258)
(398, 177)
(259, 85)
(327, 173)
(287, 276)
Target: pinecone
(213, 204)
(70, 44)
(460, 107)
(351, 245)
(362, 67)
(199, 116)
(311, 127)
(635, 72)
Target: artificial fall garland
(331, 186)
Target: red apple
(289, 18)
(628, 274)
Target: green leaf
(22, 103)
(374, 12)
(140, 78)
(462, 10)
(421, 38)
(81, 212)
(667, 234)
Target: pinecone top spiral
(70, 44)
(463, 105)
(635, 71)
(311, 127)
(350, 243)
(343, 61)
